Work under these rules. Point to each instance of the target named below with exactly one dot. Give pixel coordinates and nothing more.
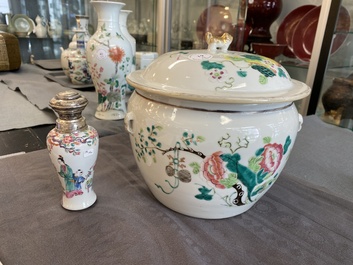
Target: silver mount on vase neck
(69, 106)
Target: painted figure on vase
(66, 173)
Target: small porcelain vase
(78, 67)
(82, 24)
(73, 150)
(110, 58)
(41, 29)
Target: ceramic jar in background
(78, 66)
(73, 150)
(110, 59)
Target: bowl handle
(300, 122)
(129, 122)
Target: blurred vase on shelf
(55, 29)
(41, 27)
(260, 16)
(110, 59)
(82, 24)
(78, 66)
(10, 27)
(65, 54)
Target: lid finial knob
(218, 43)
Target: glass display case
(141, 23)
(164, 25)
(157, 25)
(331, 55)
(190, 20)
(332, 94)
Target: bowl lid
(218, 76)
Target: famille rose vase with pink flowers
(110, 60)
(73, 150)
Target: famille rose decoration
(73, 150)
(211, 130)
(110, 58)
(124, 14)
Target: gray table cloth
(305, 218)
(27, 94)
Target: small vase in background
(10, 27)
(73, 150)
(41, 28)
(82, 24)
(65, 54)
(78, 67)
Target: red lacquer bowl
(270, 50)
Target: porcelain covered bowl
(211, 130)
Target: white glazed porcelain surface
(210, 164)
(225, 77)
(41, 29)
(79, 152)
(110, 59)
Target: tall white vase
(123, 19)
(110, 58)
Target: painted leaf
(230, 181)
(281, 73)
(267, 72)
(254, 162)
(262, 79)
(259, 151)
(200, 139)
(242, 73)
(266, 140)
(204, 194)
(232, 161)
(287, 144)
(253, 57)
(207, 65)
(195, 167)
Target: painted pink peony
(272, 157)
(213, 169)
